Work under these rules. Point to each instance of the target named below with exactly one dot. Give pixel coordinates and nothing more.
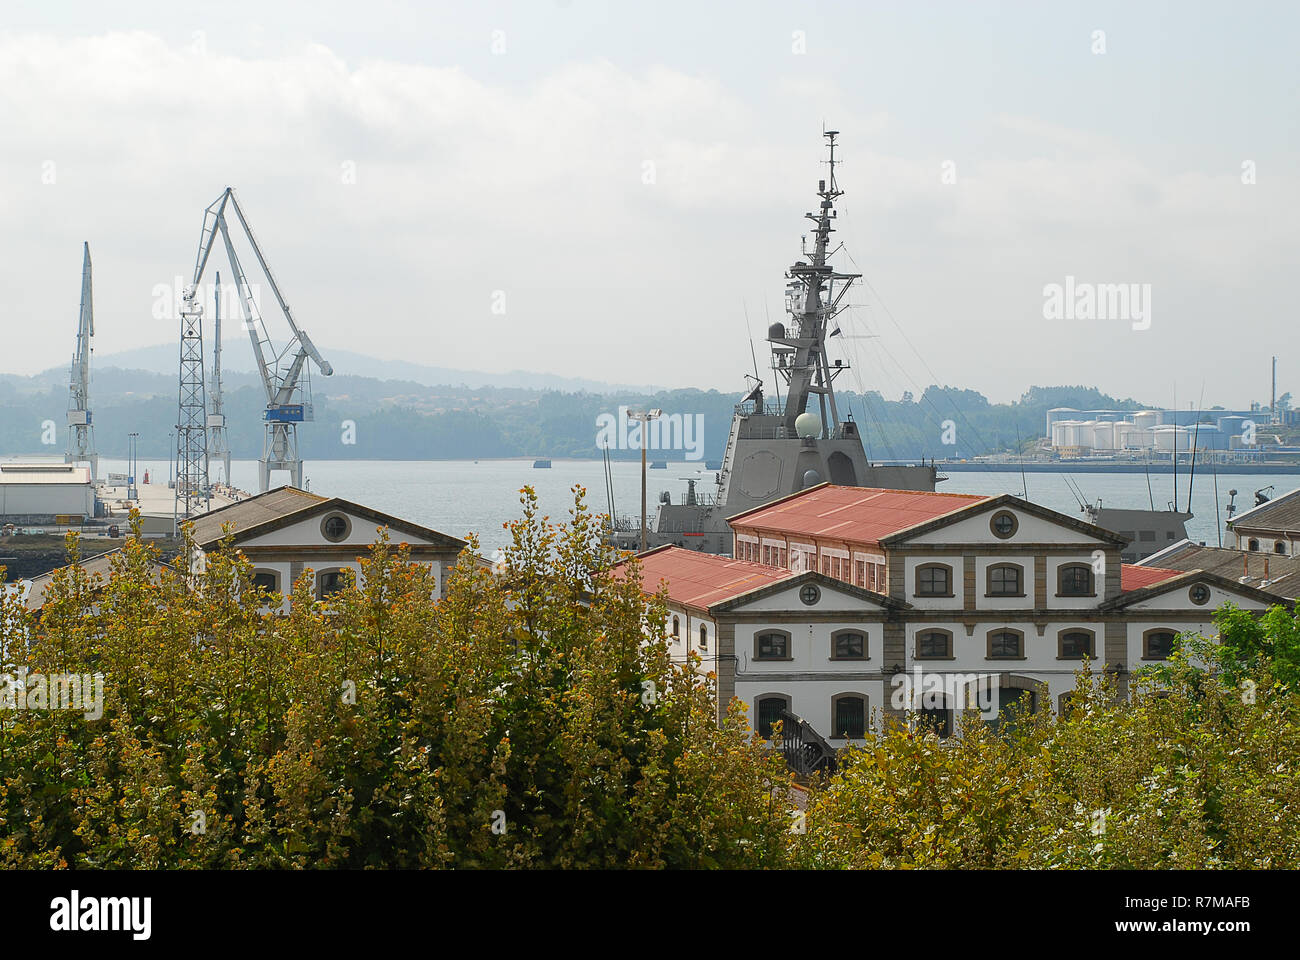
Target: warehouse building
(45, 493)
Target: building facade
(286, 531)
(1271, 527)
(850, 605)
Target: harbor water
(458, 497)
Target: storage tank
(1057, 414)
(1146, 419)
(1231, 426)
(1103, 435)
(1169, 437)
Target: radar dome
(811, 478)
(807, 424)
(776, 331)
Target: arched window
(1006, 645)
(934, 645)
(1014, 703)
(934, 580)
(937, 719)
(704, 636)
(1158, 644)
(268, 580)
(329, 582)
(848, 716)
(1280, 547)
(1075, 580)
(1253, 545)
(772, 645)
(677, 628)
(1076, 644)
(1006, 580)
(848, 645)
(767, 711)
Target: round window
(1004, 524)
(335, 527)
(1200, 594)
(810, 593)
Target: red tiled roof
(703, 579)
(1133, 577)
(860, 514)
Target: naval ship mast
(776, 449)
(813, 300)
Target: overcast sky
(400, 171)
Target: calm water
(460, 496)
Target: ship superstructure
(780, 445)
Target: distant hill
(386, 418)
(237, 357)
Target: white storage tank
(1146, 419)
(1169, 437)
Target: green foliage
(1188, 772)
(525, 701)
(525, 720)
(1248, 641)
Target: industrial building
(1073, 433)
(45, 493)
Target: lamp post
(644, 419)
(132, 463)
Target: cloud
(625, 213)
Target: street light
(132, 464)
(644, 419)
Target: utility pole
(644, 419)
(1272, 403)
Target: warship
(783, 444)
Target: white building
(40, 492)
(1271, 527)
(286, 531)
(845, 595)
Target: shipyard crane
(218, 441)
(81, 434)
(285, 373)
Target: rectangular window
(773, 646)
(933, 581)
(1076, 581)
(851, 717)
(769, 712)
(1004, 644)
(850, 646)
(934, 645)
(1076, 645)
(1004, 581)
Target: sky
(614, 190)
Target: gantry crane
(81, 435)
(218, 439)
(285, 373)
